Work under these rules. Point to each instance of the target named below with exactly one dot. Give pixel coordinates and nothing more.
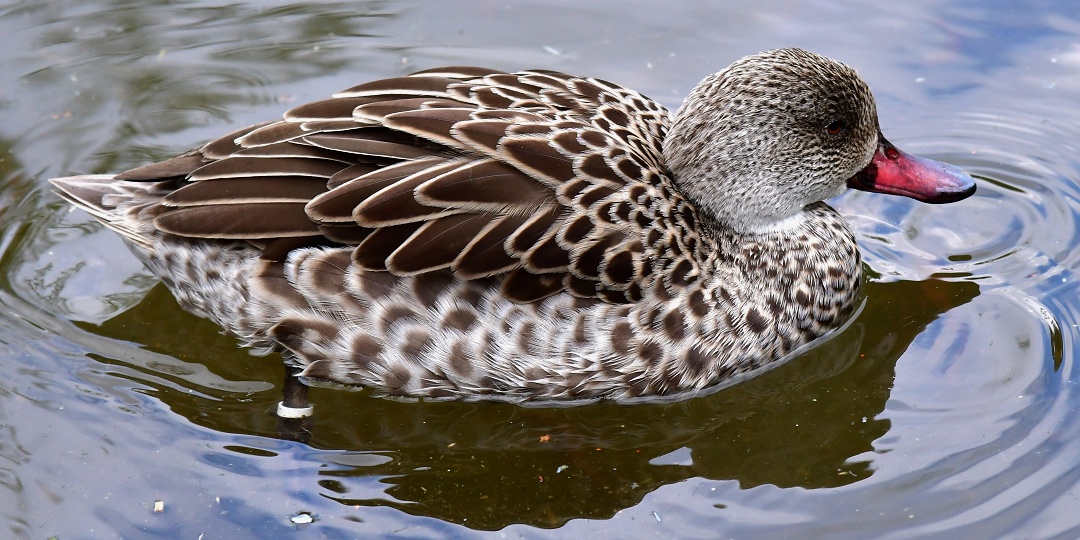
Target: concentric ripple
(1020, 229)
(946, 409)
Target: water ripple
(946, 408)
(1020, 228)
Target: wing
(542, 177)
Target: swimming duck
(466, 233)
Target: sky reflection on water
(945, 409)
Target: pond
(946, 408)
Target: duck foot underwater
(294, 411)
(465, 233)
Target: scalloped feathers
(469, 233)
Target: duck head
(756, 143)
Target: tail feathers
(126, 207)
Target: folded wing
(534, 175)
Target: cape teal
(465, 233)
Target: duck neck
(816, 222)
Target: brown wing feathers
(479, 171)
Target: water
(947, 408)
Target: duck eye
(835, 127)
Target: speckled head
(755, 143)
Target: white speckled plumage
(471, 234)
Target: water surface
(946, 408)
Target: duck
(465, 233)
